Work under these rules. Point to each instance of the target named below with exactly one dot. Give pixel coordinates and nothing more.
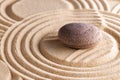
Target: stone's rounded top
(80, 35)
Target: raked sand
(31, 49)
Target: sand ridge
(16, 10)
(13, 11)
(30, 63)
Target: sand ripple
(20, 48)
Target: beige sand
(102, 66)
(54, 50)
(23, 52)
(4, 71)
(13, 10)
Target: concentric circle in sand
(26, 52)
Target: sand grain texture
(23, 52)
(31, 50)
(5, 73)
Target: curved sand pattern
(102, 5)
(5, 75)
(114, 6)
(55, 51)
(4, 23)
(8, 10)
(8, 16)
(23, 8)
(15, 10)
(3, 11)
(116, 9)
(20, 48)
